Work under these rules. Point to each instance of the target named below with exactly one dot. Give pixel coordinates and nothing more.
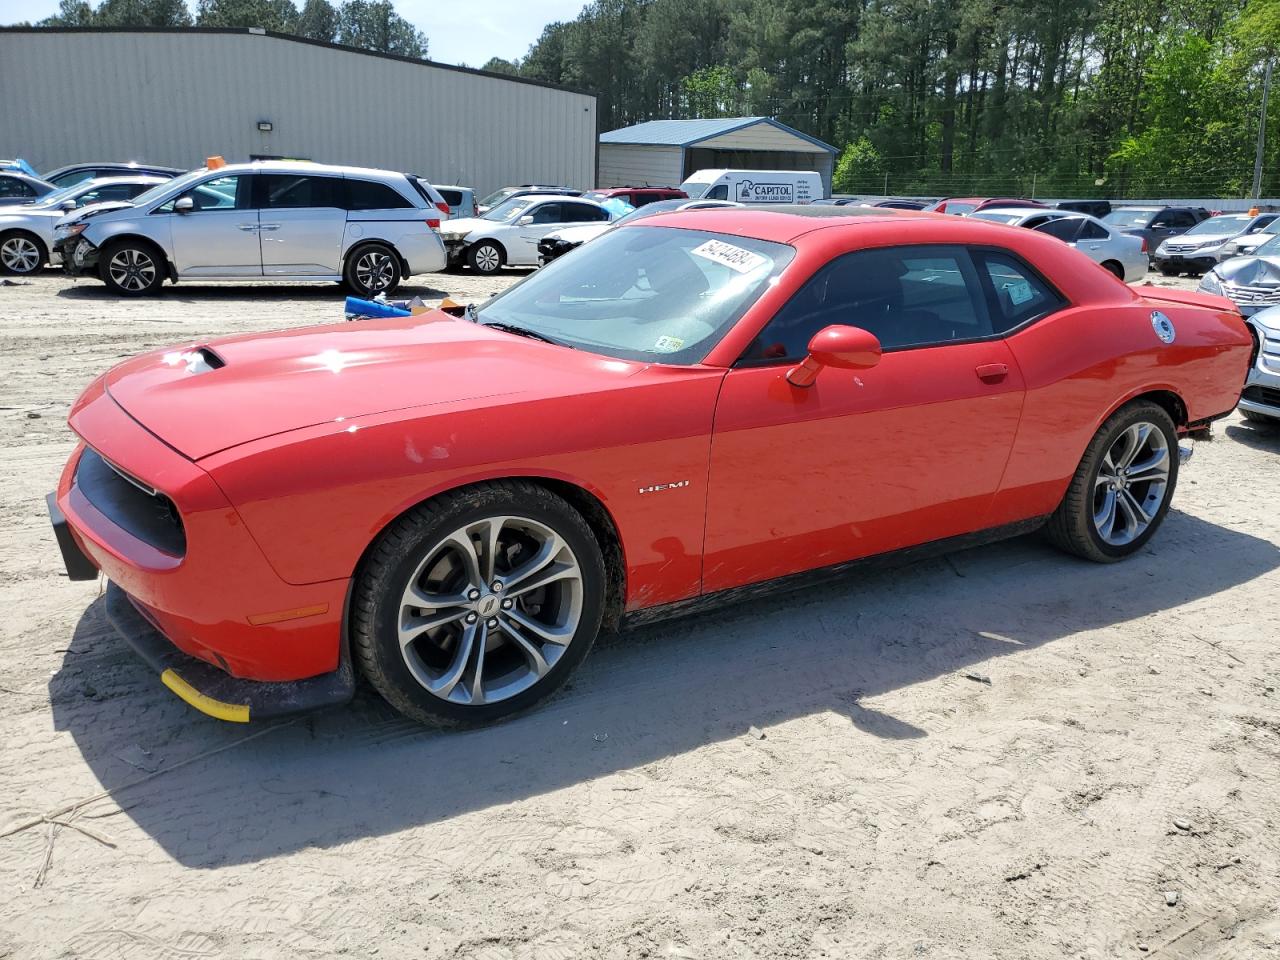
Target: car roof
(136, 178)
(449, 186)
(114, 165)
(304, 166)
(784, 222)
(558, 197)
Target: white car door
(534, 224)
(301, 219)
(218, 237)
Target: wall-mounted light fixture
(264, 126)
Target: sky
(457, 32)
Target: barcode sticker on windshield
(726, 254)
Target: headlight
(1211, 284)
(72, 229)
(1164, 247)
(1229, 249)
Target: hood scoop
(195, 360)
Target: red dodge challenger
(677, 412)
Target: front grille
(1268, 395)
(1250, 293)
(1181, 248)
(130, 504)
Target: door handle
(991, 372)
(249, 227)
(268, 226)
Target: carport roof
(689, 133)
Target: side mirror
(525, 220)
(67, 205)
(847, 348)
(184, 205)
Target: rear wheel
(485, 257)
(372, 269)
(1120, 493)
(479, 603)
(1116, 270)
(131, 268)
(21, 253)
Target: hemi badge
(658, 487)
(262, 619)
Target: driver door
(868, 461)
(219, 236)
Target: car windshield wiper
(523, 332)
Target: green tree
(280, 16)
(375, 25)
(318, 20)
(860, 169)
(712, 92)
(497, 65)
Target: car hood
(580, 234)
(96, 209)
(206, 397)
(464, 225)
(1250, 271)
(29, 214)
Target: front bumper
(79, 256)
(1262, 386)
(455, 251)
(210, 690)
(1202, 263)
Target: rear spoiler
(1187, 298)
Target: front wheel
(1120, 493)
(131, 269)
(479, 603)
(21, 253)
(371, 270)
(1169, 272)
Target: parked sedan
(689, 408)
(460, 200)
(560, 242)
(524, 190)
(73, 173)
(27, 231)
(277, 220)
(508, 235)
(1198, 249)
(1155, 224)
(1245, 244)
(1252, 283)
(17, 187)
(1124, 255)
(964, 206)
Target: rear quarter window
(369, 195)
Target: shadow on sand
(361, 771)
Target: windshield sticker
(1020, 292)
(667, 344)
(726, 254)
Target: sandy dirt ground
(1007, 753)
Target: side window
(1064, 228)
(367, 195)
(1017, 293)
(112, 191)
(292, 191)
(582, 213)
(1092, 231)
(907, 296)
(220, 193)
(452, 197)
(1180, 219)
(640, 199)
(720, 192)
(548, 213)
(13, 187)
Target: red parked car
(636, 196)
(963, 206)
(454, 506)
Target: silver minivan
(279, 220)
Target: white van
(755, 186)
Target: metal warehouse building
(665, 152)
(177, 96)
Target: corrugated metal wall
(177, 97)
(630, 165)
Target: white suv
(508, 234)
(273, 220)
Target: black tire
(415, 538)
(132, 268)
(371, 269)
(1072, 527)
(486, 257)
(1254, 417)
(1114, 269)
(1168, 271)
(22, 253)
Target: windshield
(596, 195)
(1128, 218)
(506, 212)
(695, 189)
(654, 294)
(998, 217)
(177, 184)
(1226, 224)
(1269, 249)
(495, 198)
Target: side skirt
(799, 581)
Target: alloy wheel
(375, 271)
(487, 258)
(1131, 484)
(19, 255)
(490, 609)
(132, 269)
